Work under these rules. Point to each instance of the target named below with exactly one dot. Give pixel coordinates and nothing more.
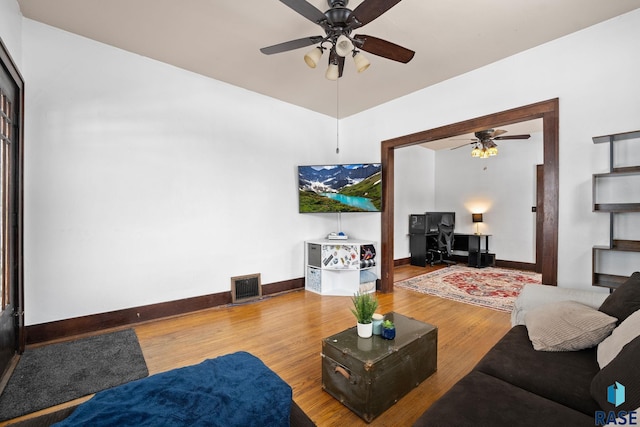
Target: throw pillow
(567, 326)
(625, 300)
(621, 336)
(623, 370)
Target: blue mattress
(231, 390)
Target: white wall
(414, 192)
(502, 188)
(146, 183)
(594, 74)
(11, 29)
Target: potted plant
(364, 305)
(388, 330)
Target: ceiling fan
(484, 142)
(338, 22)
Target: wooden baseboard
(95, 322)
(517, 265)
(401, 261)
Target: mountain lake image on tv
(340, 188)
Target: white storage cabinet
(340, 267)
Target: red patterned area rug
(495, 288)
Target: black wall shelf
(615, 244)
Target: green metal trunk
(368, 375)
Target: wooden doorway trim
(539, 216)
(549, 112)
(12, 336)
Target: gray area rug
(57, 373)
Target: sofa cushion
(479, 399)
(567, 326)
(533, 296)
(624, 300)
(621, 336)
(564, 377)
(625, 370)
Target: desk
(478, 254)
(475, 245)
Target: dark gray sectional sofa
(517, 385)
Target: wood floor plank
(286, 331)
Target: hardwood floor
(285, 332)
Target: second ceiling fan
(338, 22)
(484, 145)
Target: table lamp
(477, 219)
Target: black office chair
(443, 245)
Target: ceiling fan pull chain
(337, 116)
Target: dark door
(11, 313)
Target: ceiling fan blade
(383, 48)
(463, 145)
(369, 10)
(306, 9)
(513, 137)
(498, 132)
(291, 45)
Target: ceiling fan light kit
(338, 22)
(362, 63)
(332, 72)
(344, 46)
(313, 57)
(484, 150)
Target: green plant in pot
(388, 330)
(364, 305)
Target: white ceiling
(221, 39)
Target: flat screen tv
(340, 188)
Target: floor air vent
(245, 288)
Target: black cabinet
(478, 250)
(481, 259)
(418, 249)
